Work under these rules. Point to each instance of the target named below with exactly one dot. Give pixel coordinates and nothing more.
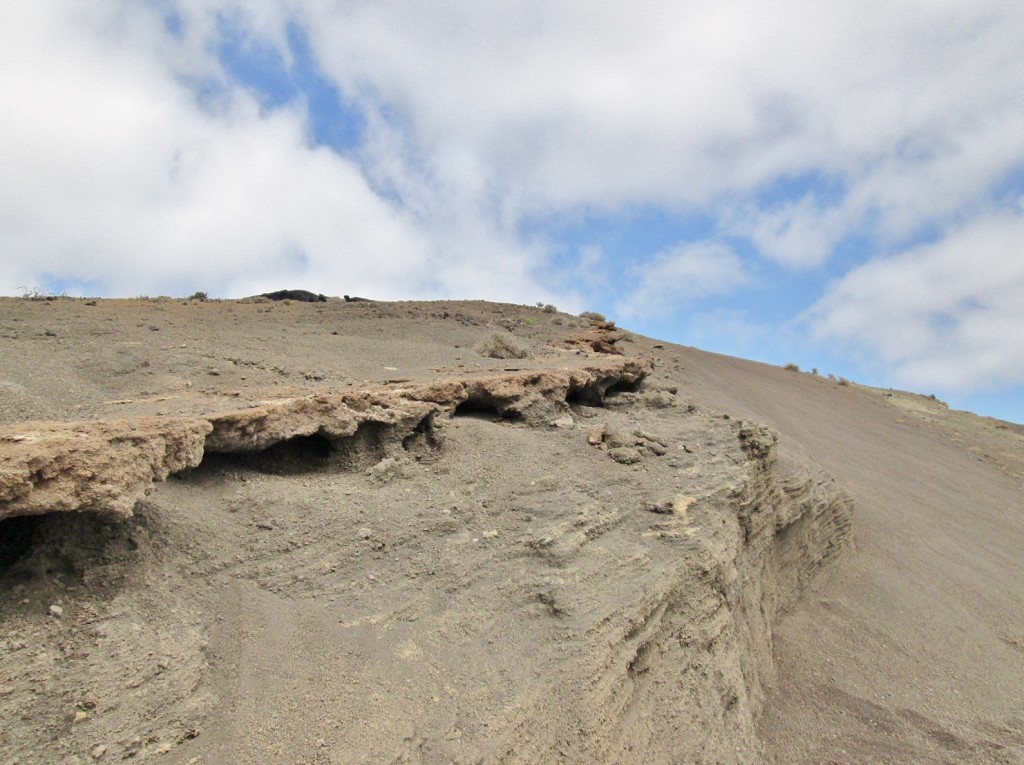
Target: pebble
(81, 716)
(56, 611)
(98, 751)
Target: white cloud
(913, 106)
(947, 315)
(116, 176)
(682, 102)
(681, 275)
(800, 233)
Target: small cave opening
(292, 456)
(366, 447)
(486, 408)
(17, 536)
(594, 393)
(65, 544)
(624, 386)
(369, 444)
(423, 437)
(588, 395)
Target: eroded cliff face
(670, 650)
(537, 566)
(107, 466)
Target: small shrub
(501, 345)
(843, 381)
(792, 367)
(34, 293)
(592, 316)
(202, 297)
(549, 308)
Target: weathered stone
(617, 439)
(107, 466)
(625, 455)
(97, 466)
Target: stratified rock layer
(102, 467)
(107, 466)
(600, 566)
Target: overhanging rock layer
(107, 466)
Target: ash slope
(515, 594)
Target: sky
(837, 185)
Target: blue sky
(838, 187)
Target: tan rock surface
(104, 467)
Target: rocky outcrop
(337, 418)
(531, 595)
(304, 296)
(102, 467)
(535, 396)
(106, 466)
(668, 624)
(600, 337)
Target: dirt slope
(913, 649)
(545, 573)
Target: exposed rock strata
(103, 467)
(676, 634)
(608, 613)
(107, 466)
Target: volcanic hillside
(278, 531)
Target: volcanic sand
(644, 578)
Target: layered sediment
(539, 565)
(107, 466)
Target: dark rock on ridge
(304, 296)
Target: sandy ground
(502, 599)
(912, 650)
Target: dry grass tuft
(501, 345)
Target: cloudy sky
(839, 185)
